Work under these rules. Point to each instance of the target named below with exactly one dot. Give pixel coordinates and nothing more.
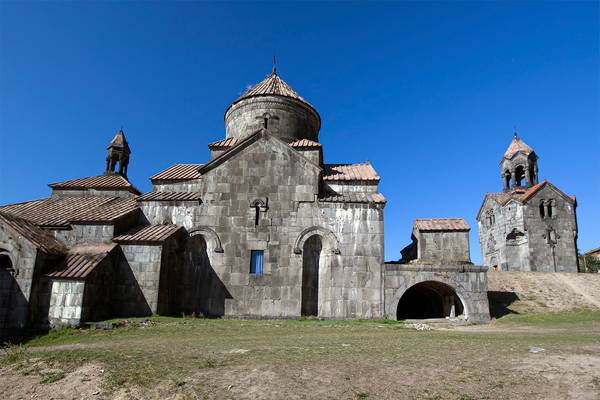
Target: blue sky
(428, 92)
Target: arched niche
(210, 235)
(330, 241)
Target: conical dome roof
(517, 145)
(272, 85)
(274, 104)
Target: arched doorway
(7, 287)
(429, 300)
(203, 291)
(311, 259)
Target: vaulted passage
(311, 257)
(429, 300)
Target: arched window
(549, 206)
(519, 175)
(542, 211)
(5, 262)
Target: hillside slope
(527, 292)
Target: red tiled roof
(223, 144)
(102, 182)
(148, 234)
(170, 196)
(272, 85)
(107, 212)
(353, 197)
(59, 212)
(82, 260)
(518, 194)
(441, 224)
(517, 145)
(41, 239)
(178, 172)
(350, 172)
(304, 144)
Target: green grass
(583, 316)
(171, 350)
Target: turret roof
(272, 85)
(516, 146)
(119, 140)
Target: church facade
(263, 229)
(530, 225)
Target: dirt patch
(40, 381)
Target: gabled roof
(108, 212)
(60, 212)
(102, 182)
(170, 196)
(151, 234)
(521, 195)
(441, 224)
(223, 144)
(350, 172)
(82, 260)
(305, 144)
(352, 197)
(39, 238)
(517, 146)
(179, 172)
(242, 144)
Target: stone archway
(210, 235)
(330, 241)
(429, 299)
(469, 283)
(311, 268)
(318, 249)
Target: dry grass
(198, 358)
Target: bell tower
(117, 157)
(518, 167)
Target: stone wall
(285, 186)
(468, 282)
(66, 302)
(290, 119)
(552, 240)
(180, 213)
(139, 278)
(16, 285)
(442, 245)
(192, 185)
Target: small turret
(518, 166)
(118, 154)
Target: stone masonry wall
(469, 283)
(287, 185)
(139, 278)
(15, 286)
(440, 245)
(551, 251)
(66, 302)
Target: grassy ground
(201, 358)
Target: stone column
(535, 174)
(527, 177)
(513, 175)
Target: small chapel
(530, 225)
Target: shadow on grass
(500, 302)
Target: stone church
(530, 225)
(264, 229)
